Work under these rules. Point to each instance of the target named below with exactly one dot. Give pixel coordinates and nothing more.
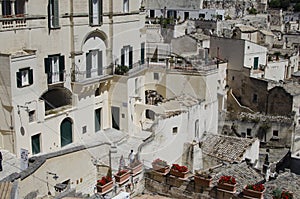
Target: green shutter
(100, 66)
(255, 64)
(30, 76)
(115, 114)
(97, 119)
(61, 68)
(130, 57)
(19, 79)
(91, 12)
(35, 144)
(88, 64)
(55, 14)
(142, 53)
(47, 62)
(49, 14)
(66, 135)
(100, 12)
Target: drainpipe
(110, 37)
(72, 41)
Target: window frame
(53, 14)
(125, 6)
(100, 13)
(6, 9)
(19, 77)
(39, 144)
(48, 64)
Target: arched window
(197, 129)
(66, 132)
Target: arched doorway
(66, 132)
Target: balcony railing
(13, 23)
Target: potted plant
(179, 171)
(282, 194)
(160, 165)
(135, 166)
(122, 175)
(254, 190)
(227, 183)
(104, 184)
(203, 179)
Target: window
(136, 86)
(125, 5)
(254, 99)
(243, 134)
(96, 12)
(115, 116)
(248, 132)
(84, 129)
(20, 7)
(155, 76)
(275, 133)
(255, 64)
(53, 14)
(31, 115)
(97, 119)
(186, 15)
(175, 130)
(54, 68)
(142, 53)
(24, 77)
(97, 92)
(232, 78)
(35, 144)
(126, 56)
(152, 13)
(66, 132)
(6, 8)
(94, 63)
(150, 114)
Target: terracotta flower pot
(252, 193)
(122, 178)
(179, 174)
(227, 187)
(202, 181)
(104, 188)
(137, 169)
(160, 169)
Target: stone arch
(96, 33)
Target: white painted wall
(275, 70)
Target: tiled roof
(5, 190)
(288, 181)
(227, 148)
(243, 173)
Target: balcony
(9, 23)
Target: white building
(57, 58)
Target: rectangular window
(35, 143)
(24, 77)
(95, 12)
(248, 132)
(186, 15)
(6, 8)
(94, 64)
(155, 76)
(136, 86)
(97, 119)
(115, 114)
(275, 133)
(142, 53)
(54, 68)
(125, 5)
(127, 56)
(152, 13)
(255, 64)
(254, 100)
(53, 14)
(31, 115)
(20, 8)
(84, 129)
(175, 130)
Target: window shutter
(100, 12)
(130, 57)
(30, 76)
(122, 57)
(61, 68)
(88, 64)
(19, 79)
(91, 12)
(48, 69)
(142, 53)
(55, 14)
(49, 14)
(100, 66)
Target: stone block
(174, 181)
